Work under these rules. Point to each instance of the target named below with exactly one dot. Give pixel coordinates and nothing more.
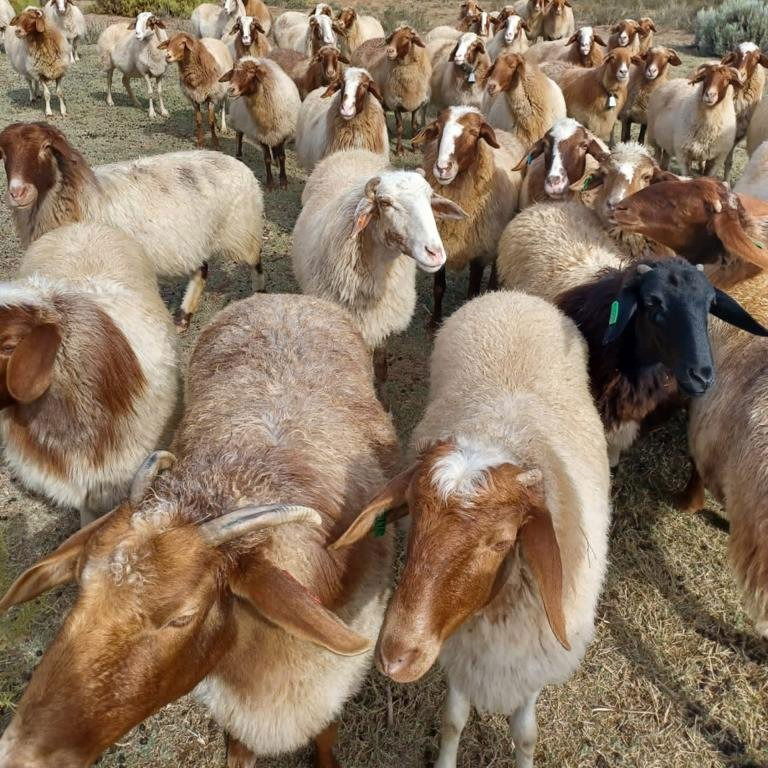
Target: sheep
(651, 70)
(248, 39)
(481, 24)
(458, 80)
(558, 23)
(749, 60)
(178, 206)
(39, 52)
(521, 99)
(226, 552)
(307, 34)
(402, 70)
(352, 119)
(70, 20)
(646, 40)
(7, 12)
(215, 20)
(696, 125)
(757, 132)
(555, 165)
(580, 49)
(627, 33)
(533, 12)
(509, 498)
(322, 69)
(88, 368)
(362, 231)
(356, 29)
(595, 96)
(133, 50)
(754, 178)
(201, 65)
(510, 34)
(264, 109)
(257, 9)
(470, 163)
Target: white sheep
(355, 29)
(177, 205)
(346, 115)
(91, 382)
(307, 34)
(459, 71)
(70, 20)
(362, 231)
(133, 50)
(215, 20)
(7, 12)
(509, 497)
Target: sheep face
(471, 509)
(322, 9)
(467, 49)
(506, 73)
(229, 6)
(514, 26)
(625, 31)
(355, 85)
(248, 28)
(697, 218)
(61, 6)
(557, 7)
(655, 61)
(346, 18)
(458, 131)
(616, 66)
(177, 46)
(482, 24)
(715, 80)
(322, 29)
(328, 58)
(746, 59)
(401, 41)
(399, 210)
(469, 8)
(30, 22)
(585, 38)
(145, 25)
(245, 78)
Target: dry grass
(675, 678)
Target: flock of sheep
(253, 564)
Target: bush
(180, 8)
(719, 30)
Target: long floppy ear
(343, 59)
(443, 208)
(282, 600)
(489, 73)
(52, 571)
(573, 39)
(365, 208)
(163, 45)
(452, 54)
(698, 76)
(621, 311)
(729, 310)
(227, 76)
(729, 58)
(596, 150)
(160, 23)
(333, 86)
(638, 60)
(427, 133)
(339, 29)
(674, 58)
(659, 174)
(389, 501)
(132, 25)
(373, 89)
(735, 78)
(40, 24)
(728, 227)
(533, 153)
(30, 369)
(416, 40)
(524, 25)
(542, 553)
(388, 38)
(599, 40)
(14, 22)
(651, 25)
(590, 182)
(489, 135)
(763, 59)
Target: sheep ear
(698, 76)
(599, 40)
(729, 58)
(573, 39)
(14, 22)
(729, 310)
(339, 30)
(40, 24)
(735, 78)
(638, 61)
(259, 28)
(727, 226)
(763, 59)
(389, 502)
(363, 216)
(416, 40)
(651, 25)
(533, 153)
(661, 175)
(163, 45)
(621, 311)
(524, 25)
(373, 89)
(489, 135)
(541, 551)
(443, 208)
(674, 58)
(30, 369)
(227, 76)
(428, 133)
(132, 25)
(332, 88)
(596, 150)
(285, 602)
(159, 23)
(452, 54)
(343, 59)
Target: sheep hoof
(691, 499)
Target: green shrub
(719, 30)
(180, 8)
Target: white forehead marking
(627, 170)
(352, 78)
(513, 23)
(326, 29)
(564, 128)
(748, 47)
(245, 25)
(585, 35)
(464, 471)
(464, 42)
(451, 132)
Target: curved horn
(254, 518)
(153, 465)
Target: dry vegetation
(675, 678)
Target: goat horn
(254, 518)
(153, 465)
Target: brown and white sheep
(646, 40)
(402, 70)
(70, 20)
(248, 38)
(533, 12)
(458, 79)
(511, 34)
(627, 33)
(558, 22)
(310, 72)
(355, 29)
(581, 49)
(201, 65)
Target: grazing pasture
(676, 677)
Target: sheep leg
(709, 166)
(438, 291)
(110, 101)
(641, 135)
(280, 149)
(163, 110)
(324, 742)
(493, 280)
(626, 130)
(238, 755)
(129, 90)
(32, 90)
(47, 97)
(268, 166)
(399, 131)
(212, 125)
(198, 126)
(239, 144)
(223, 116)
(75, 54)
(380, 365)
(60, 94)
(522, 725)
(257, 279)
(414, 122)
(476, 269)
(151, 96)
(192, 296)
(691, 498)
(455, 716)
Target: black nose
(703, 376)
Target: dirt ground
(675, 678)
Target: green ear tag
(586, 182)
(758, 245)
(380, 525)
(530, 158)
(614, 316)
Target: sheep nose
(492, 88)
(399, 661)
(19, 191)
(703, 376)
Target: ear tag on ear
(586, 183)
(529, 160)
(611, 101)
(471, 78)
(758, 244)
(380, 526)
(614, 316)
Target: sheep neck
(528, 102)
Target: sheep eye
(385, 204)
(181, 621)
(502, 546)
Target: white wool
(464, 471)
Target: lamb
(509, 497)
(39, 52)
(749, 60)
(402, 70)
(458, 80)
(322, 69)
(88, 368)
(178, 206)
(510, 34)
(356, 29)
(581, 49)
(556, 164)
(595, 96)
(471, 163)
(248, 39)
(695, 125)
(646, 40)
(70, 21)
(362, 231)
(627, 33)
(134, 50)
(757, 132)
(201, 65)
(215, 20)
(226, 551)
(346, 115)
(558, 22)
(264, 109)
(651, 70)
(521, 99)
